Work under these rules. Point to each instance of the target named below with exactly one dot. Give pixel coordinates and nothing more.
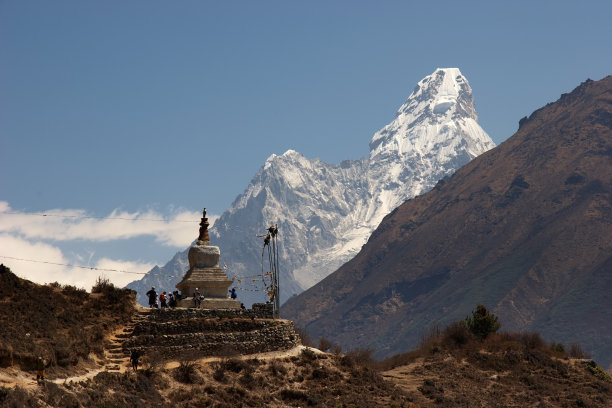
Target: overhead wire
(85, 267)
(94, 268)
(92, 217)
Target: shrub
(276, 369)
(325, 344)
(307, 355)
(557, 348)
(430, 338)
(456, 334)
(101, 284)
(186, 372)
(288, 394)
(575, 351)
(247, 380)
(78, 294)
(533, 341)
(219, 372)
(482, 323)
(360, 357)
(305, 338)
(329, 346)
(234, 365)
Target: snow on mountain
(326, 212)
(434, 133)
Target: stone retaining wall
(259, 311)
(271, 337)
(199, 324)
(204, 332)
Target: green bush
(482, 323)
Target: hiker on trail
(134, 359)
(172, 302)
(162, 300)
(233, 294)
(41, 363)
(152, 297)
(197, 298)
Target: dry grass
(61, 323)
(450, 369)
(306, 380)
(454, 369)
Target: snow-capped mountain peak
(439, 103)
(326, 212)
(434, 132)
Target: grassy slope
(63, 324)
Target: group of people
(172, 299)
(165, 301)
(197, 296)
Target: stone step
(113, 346)
(114, 367)
(116, 361)
(123, 336)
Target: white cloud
(31, 244)
(178, 230)
(127, 271)
(43, 263)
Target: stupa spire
(204, 237)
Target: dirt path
(260, 356)
(78, 378)
(13, 377)
(404, 377)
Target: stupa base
(210, 303)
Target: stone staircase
(116, 357)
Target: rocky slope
(525, 229)
(325, 212)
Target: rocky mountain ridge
(326, 212)
(525, 228)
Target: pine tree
(482, 323)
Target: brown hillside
(525, 229)
(451, 369)
(64, 325)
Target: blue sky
(145, 110)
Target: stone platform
(214, 303)
(199, 332)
